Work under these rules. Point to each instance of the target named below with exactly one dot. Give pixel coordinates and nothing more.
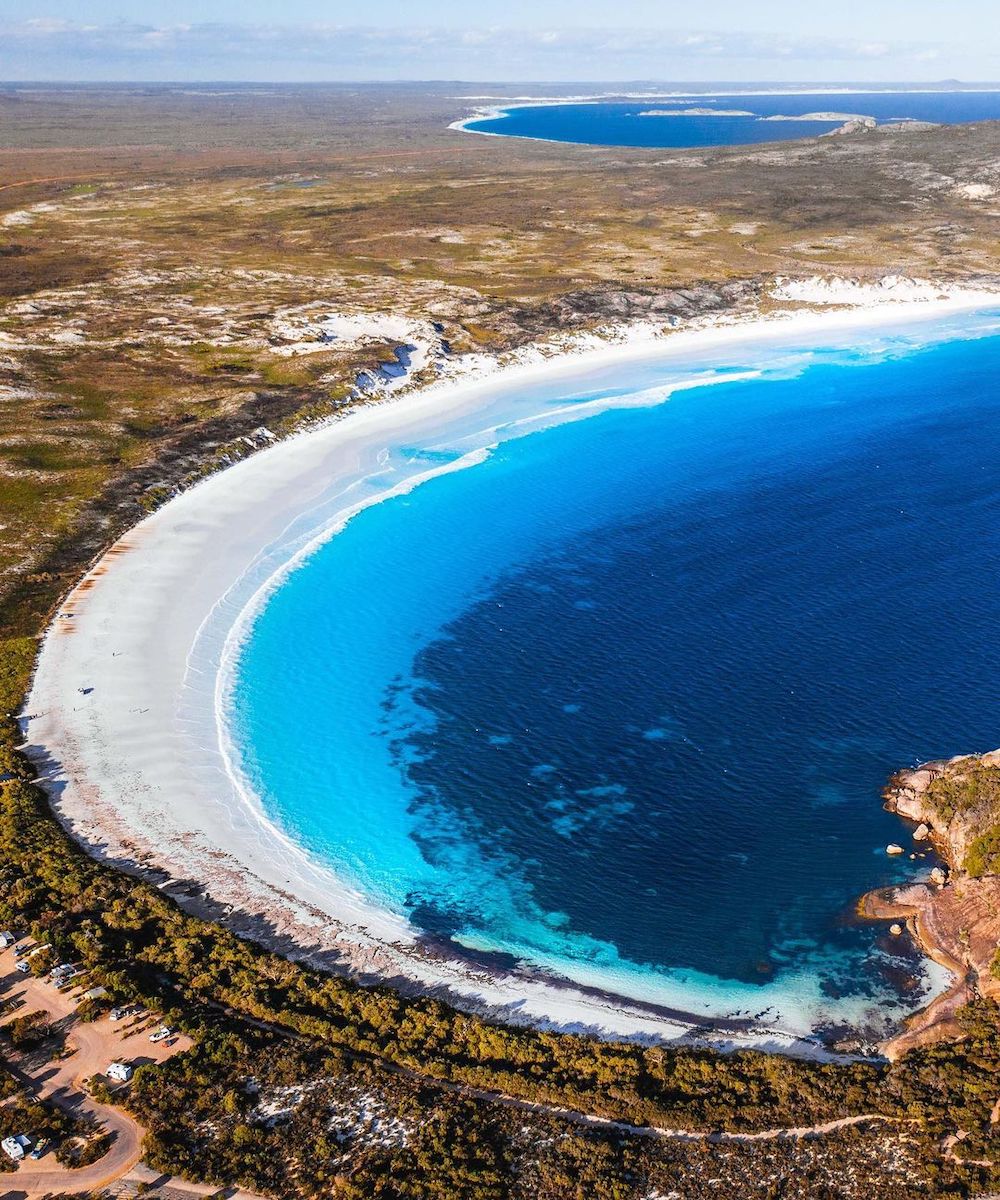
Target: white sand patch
(820, 116)
(362, 1118)
(696, 112)
(354, 1114)
(12, 394)
(313, 328)
(976, 191)
(892, 289)
(26, 216)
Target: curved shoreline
(495, 109)
(127, 763)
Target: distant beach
(737, 117)
(125, 715)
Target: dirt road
(156, 1185)
(95, 1045)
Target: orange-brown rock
(958, 924)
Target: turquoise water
(618, 701)
(629, 123)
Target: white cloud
(52, 48)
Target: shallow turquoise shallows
(619, 699)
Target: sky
(516, 40)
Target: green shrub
(983, 855)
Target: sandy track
(168, 1186)
(95, 1045)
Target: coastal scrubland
(160, 251)
(157, 244)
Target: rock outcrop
(956, 915)
(908, 126)
(854, 125)
(955, 801)
(610, 303)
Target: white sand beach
(124, 716)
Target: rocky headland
(955, 805)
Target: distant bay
(719, 119)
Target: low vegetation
(25, 1032)
(9, 1085)
(973, 791)
(983, 855)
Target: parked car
(24, 968)
(39, 1150)
(63, 974)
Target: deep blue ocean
(622, 123)
(620, 699)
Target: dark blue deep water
(620, 700)
(621, 123)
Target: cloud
(50, 48)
